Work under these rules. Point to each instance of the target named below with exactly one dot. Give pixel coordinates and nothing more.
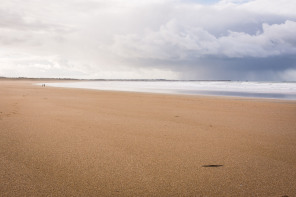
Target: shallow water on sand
(272, 90)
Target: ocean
(271, 90)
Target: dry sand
(71, 142)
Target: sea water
(273, 90)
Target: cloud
(230, 39)
(175, 41)
(288, 75)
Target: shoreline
(63, 141)
(263, 99)
(161, 88)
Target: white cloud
(275, 39)
(140, 37)
(174, 41)
(277, 7)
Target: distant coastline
(168, 80)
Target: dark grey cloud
(252, 68)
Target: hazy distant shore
(78, 142)
(81, 79)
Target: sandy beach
(75, 142)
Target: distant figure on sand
(43, 85)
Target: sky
(251, 40)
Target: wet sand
(74, 142)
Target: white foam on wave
(257, 87)
(185, 86)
